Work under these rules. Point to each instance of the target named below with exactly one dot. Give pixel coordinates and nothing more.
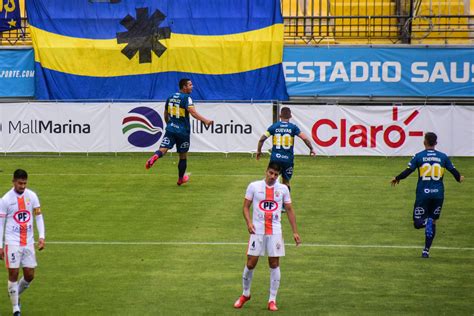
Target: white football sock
(13, 292)
(274, 283)
(247, 280)
(23, 285)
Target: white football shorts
(20, 256)
(270, 245)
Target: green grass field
(106, 216)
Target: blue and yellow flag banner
(97, 49)
(10, 17)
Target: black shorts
(181, 141)
(427, 208)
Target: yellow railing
(354, 22)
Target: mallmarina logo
(199, 127)
(143, 125)
(39, 127)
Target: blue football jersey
(177, 106)
(283, 134)
(431, 165)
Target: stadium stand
(439, 22)
(354, 22)
(378, 21)
(20, 36)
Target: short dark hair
(20, 174)
(183, 82)
(285, 112)
(275, 166)
(431, 138)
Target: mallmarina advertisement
(126, 127)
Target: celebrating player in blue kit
(431, 165)
(177, 110)
(284, 133)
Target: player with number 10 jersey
(283, 134)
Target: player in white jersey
(17, 208)
(267, 198)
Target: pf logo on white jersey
(22, 217)
(268, 205)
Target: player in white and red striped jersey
(17, 208)
(267, 198)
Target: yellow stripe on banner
(200, 54)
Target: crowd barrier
(139, 127)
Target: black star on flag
(143, 35)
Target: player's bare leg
(182, 165)
(13, 289)
(247, 276)
(158, 154)
(274, 263)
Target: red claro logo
(22, 216)
(359, 135)
(268, 205)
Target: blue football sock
(182, 167)
(159, 153)
(429, 240)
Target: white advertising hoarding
(384, 130)
(139, 127)
(126, 127)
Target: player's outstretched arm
(199, 117)
(405, 173)
(292, 220)
(260, 145)
(307, 141)
(459, 178)
(246, 212)
(394, 181)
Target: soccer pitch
(121, 240)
